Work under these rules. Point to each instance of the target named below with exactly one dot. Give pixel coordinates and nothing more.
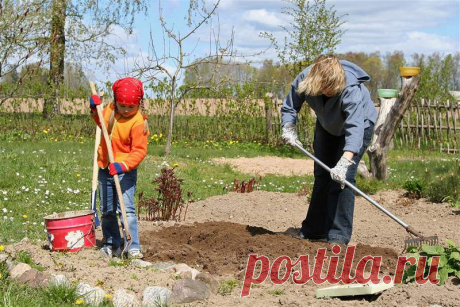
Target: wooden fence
(431, 125)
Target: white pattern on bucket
(50, 240)
(75, 239)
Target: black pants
(330, 215)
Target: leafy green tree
(275, 78)
(436, 76)
(393, 61)
(314, 29)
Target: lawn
(40, 177)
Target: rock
(58, 280)
(3, 258)
(189, 290)
(33, 278)
(124, 298)
(91, 295)
(141, 263)
(162, 266)
(209, 280)
(185, 274)
(19, 269)
(183, 270)
(155, 296)
(362, 170)
(9, 265)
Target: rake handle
(112, 160)
(361, 193)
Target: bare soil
(261, 166)
(221, 231)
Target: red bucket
(71, 231)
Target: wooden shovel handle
(112, 160)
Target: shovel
(418, 241)
(115, 177)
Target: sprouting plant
(243, 186)
(276, 292)
(169, 203)
(226, 287)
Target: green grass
(40, 177)
(226, 287)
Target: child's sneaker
(135, 254)
(107, 252)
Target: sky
(425, 26)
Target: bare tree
(155, 66)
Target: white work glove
(289, 135)
(339, 172)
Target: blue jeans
(330, 215)
(110, 207)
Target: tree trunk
(390, 116)
(170, 128)
(57, 54)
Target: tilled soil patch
(223, 247)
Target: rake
(416, 239)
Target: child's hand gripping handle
(112, 160)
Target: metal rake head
(418, 242)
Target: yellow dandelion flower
(24, 216)
(78, 175)
(108, 296)
(79, 302)
(155, 136)
(161, 135)
(176, 164)
(2, 248)
(45, 131)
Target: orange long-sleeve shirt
(129, 143)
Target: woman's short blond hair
(326, 76)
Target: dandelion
(78, 175)
(108, 296)
(176, 164)
(79, 302)
(45, 132)
(24, 216)
(2, 248)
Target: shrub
(369, 186)
(414, 188)
(169, 203)
(445, 188)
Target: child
(345, 121)
(128, 131)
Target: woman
(345, 121)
